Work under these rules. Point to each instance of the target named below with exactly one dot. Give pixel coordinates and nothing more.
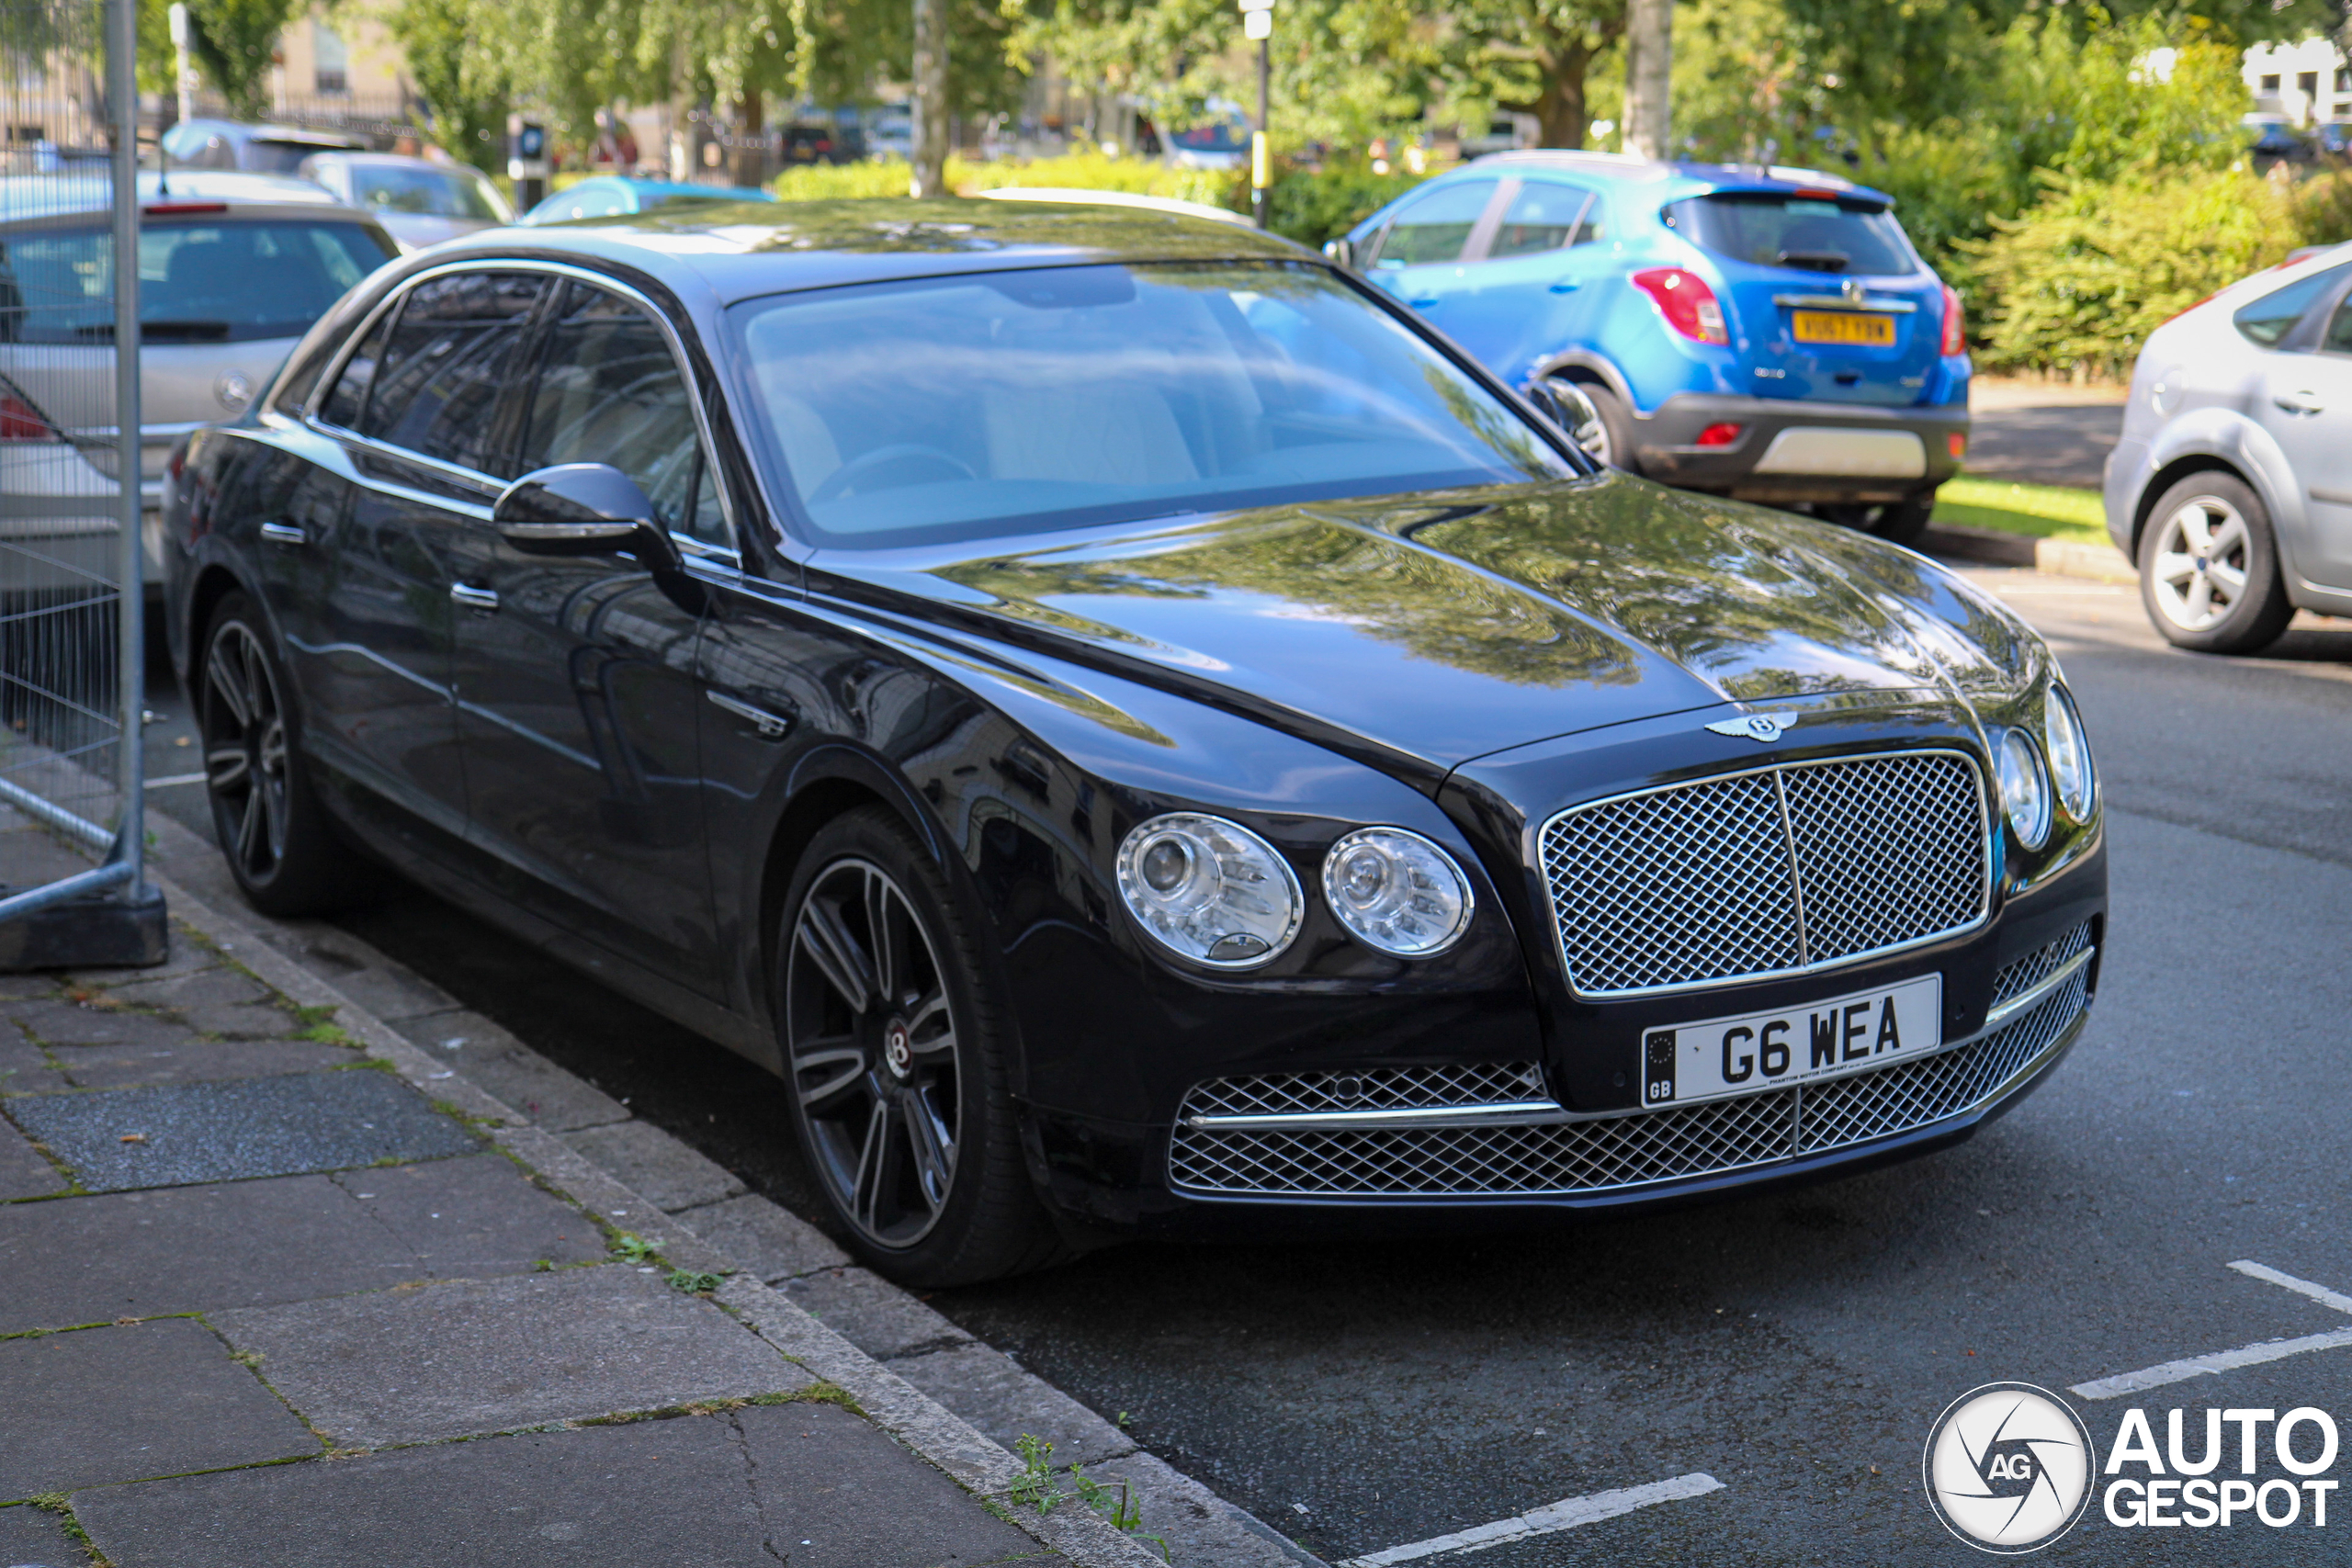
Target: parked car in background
(820, 142)
(418, 201)
(2231, 484)
(2271, 140)
(234, 268)
(257, 149)
(619, 195)
(1221, 141)
(1137, 731)
(890, 131)
(1764, 333)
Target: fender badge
(1756, 725)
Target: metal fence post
(122, 100)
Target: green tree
(232, 42)
(466, 91)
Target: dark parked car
(1139, 733)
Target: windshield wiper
(1816, 261)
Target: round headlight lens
(2025, 793)
(1209, 889)
(1396, 892)
(2070, 754)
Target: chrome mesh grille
(1562, 1158)
(2022, 974)
(1768, 872)
(1373, 1088)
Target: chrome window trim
(1847, 961)
(699, 548)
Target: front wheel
(893, 1043)
(2209, 567)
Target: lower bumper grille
(1563, 1158)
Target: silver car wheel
(2203, 553)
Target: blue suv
(1763, 334)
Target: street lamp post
(1258, 23)
(187, 78)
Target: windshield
(1006, 403)
(1813, 233)
(213, 283)
(436, 193)
(264, 156)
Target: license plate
(1853, 1033)
(1839, 326)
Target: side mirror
(574, 509)
(1343, 251)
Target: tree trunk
(1560, 111)
(929, 176)
(1650, 67)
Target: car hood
(418, 230)
(1444, 626)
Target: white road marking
(2244, 1355)
(175, 779)
(1566, 1514)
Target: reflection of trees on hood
(1384, 588)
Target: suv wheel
(1596, 420)
(2209, 567)
(894, 1047)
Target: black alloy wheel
(285, 857)
(896, 1072)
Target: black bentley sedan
(1140, 733)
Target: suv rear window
(1808, 233)
(198, 283)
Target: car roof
(25, 197)
(248, 132)
(1682, 178)
(733, 251)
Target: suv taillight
(1955, 330)
(1687, 302)
(20, 421)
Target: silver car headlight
(2025, 788)
(1396, 892)
(1210, 890)
(2070, 754)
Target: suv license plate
(1838, 326)
(1853, 1033)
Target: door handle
(473, 598)
(772, 726)
(1567, 286)
(284, 534)
(2300, 402)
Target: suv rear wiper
(1816, 261)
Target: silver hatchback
(2232, 485)
(234, 268)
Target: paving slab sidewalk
(276, 1285)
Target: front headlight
(2070, 754)
(1396, 892)
(1210, 890)
(2025, 791)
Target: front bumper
(1792, 451)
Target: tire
(902, 1105)
(2209, 567)
(1898, 522)
(280, 847)
(1607, 434)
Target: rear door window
(609, 390)
(2268, 321)
(1542, 217)
(1435, 227)
(1807, 232)
(446, 364)
(348, 402)
(228, 282)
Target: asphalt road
(1795, 1348)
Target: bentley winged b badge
(1756, 725)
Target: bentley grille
(1776, 871)
(1562, 1157)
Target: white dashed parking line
(2244, 1356)
(1566, 1514)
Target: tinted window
(2339, 331)
(449, 355)
(1813, 233)
(1540, 217)
(210, 283)
(969, 407)
(609, 391)
(1435, 227)
(2269, 319)
(348, 401)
